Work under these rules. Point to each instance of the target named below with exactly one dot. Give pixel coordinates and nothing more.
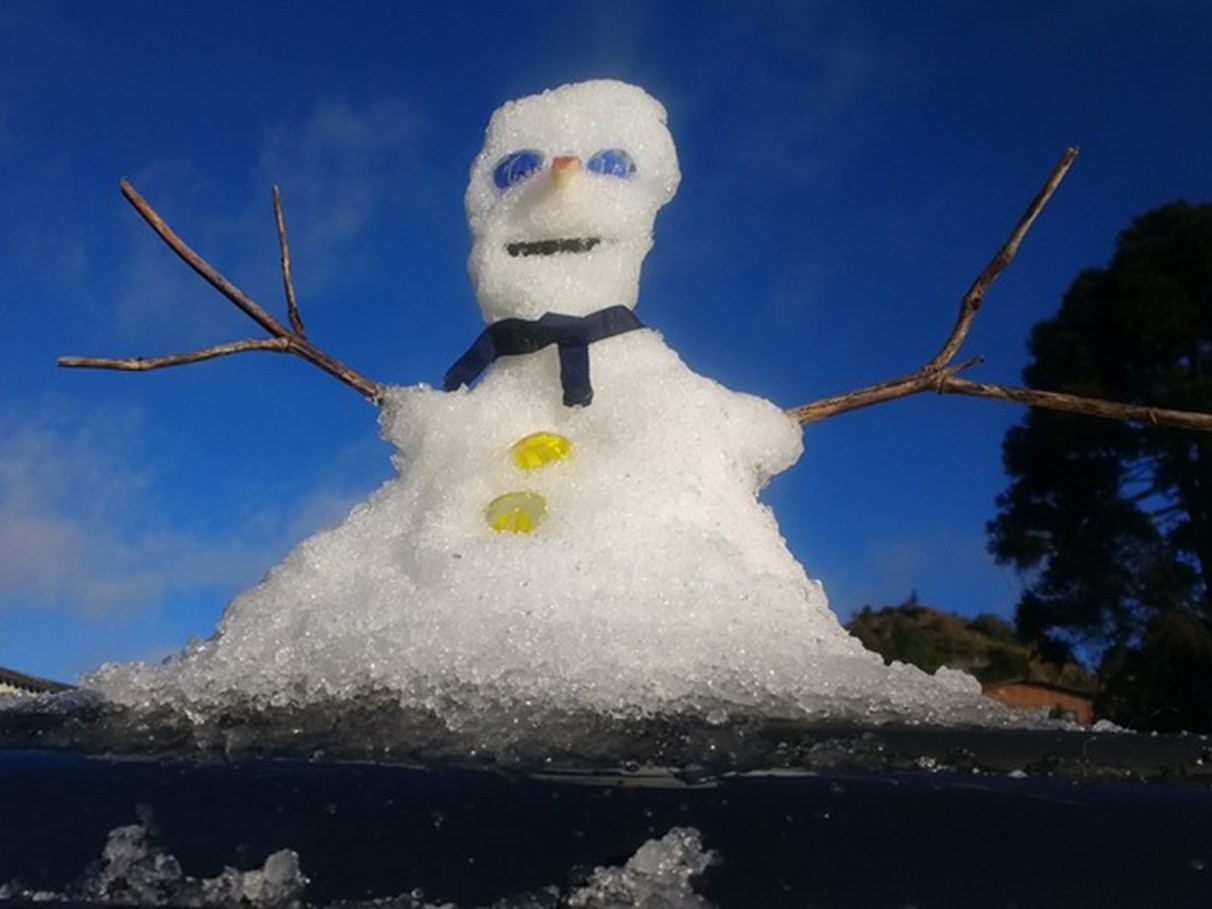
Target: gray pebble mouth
(552, 247)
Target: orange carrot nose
(564, 169)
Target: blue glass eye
(516, 167)
(613, 162)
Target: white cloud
(342, 162)
(340, 167)
(79, 533)
(62, 497)
(799, 97)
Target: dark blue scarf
(573, 334)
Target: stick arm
(282, 339)
(941, 376)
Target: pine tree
(1111, 524)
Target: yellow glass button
(540, 449)
(516, 512)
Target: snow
(135, 871)
(661, 875)
(656, 584)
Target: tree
(1111, 523)
(1165, 684)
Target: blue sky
(848, 167)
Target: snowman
(575, 525)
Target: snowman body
(655, 570)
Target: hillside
(984, 646)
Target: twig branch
(1091, 407)
(975, 297)
(142, 364)
(292, 306)
(940, 376)
(200, 265)
(282, 339)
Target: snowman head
(562, 200)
